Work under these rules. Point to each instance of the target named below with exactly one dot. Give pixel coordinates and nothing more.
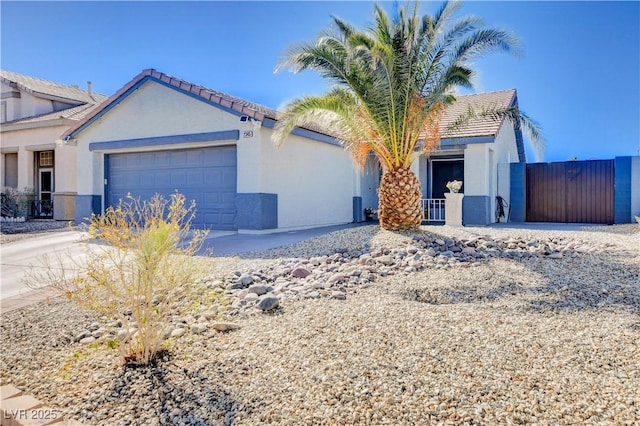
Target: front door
(45, 192)
(443, 171)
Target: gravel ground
(10, 232)
(497, 341)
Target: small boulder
(224, 326)
(300, 272)
(385, 260)
(336, 278)
(260, 289)
(268, 303)
(338, 295)
(246, 279)
(177, 332)
(199, 328)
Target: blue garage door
(206, 175)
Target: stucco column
(453, 211)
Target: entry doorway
(443, 171)
(43, 205)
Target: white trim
(42, 147)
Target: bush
(16, 203)
(144, 263)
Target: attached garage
(160, 134)
(206, 175)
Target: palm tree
(391, 84)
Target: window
(45, 158)
(11, 170)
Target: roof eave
(59, 121)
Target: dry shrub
(142, 265)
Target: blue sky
(578, 75)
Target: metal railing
(433, 209)
(42, 209)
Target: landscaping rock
(269, 303)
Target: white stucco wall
(314, 181)
(476, 169)
(486, 166)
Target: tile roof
(81, 102)
(73, 113)
(258, 112)
(480, 126)
(37, 86)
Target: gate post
(517, 192)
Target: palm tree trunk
(399, 197)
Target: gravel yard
(494, 326)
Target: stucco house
(33, 115)
(163, 134)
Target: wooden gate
(570, 192)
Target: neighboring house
(478, 154)
(163, 134)
(33, 115)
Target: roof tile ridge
(225, 99)
(486, 93)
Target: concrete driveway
(19, 256)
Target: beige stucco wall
(25, 106)
(27, 141)
(156, 110)
(314, 180)
(151, 111)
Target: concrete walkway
(231, 245)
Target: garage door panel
(178, 178)
(195, 177)
(147, 180)
(206, 175)
(193, 159)
(228, 198)
(163, 180)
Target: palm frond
(393, 80)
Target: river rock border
(266, 289)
